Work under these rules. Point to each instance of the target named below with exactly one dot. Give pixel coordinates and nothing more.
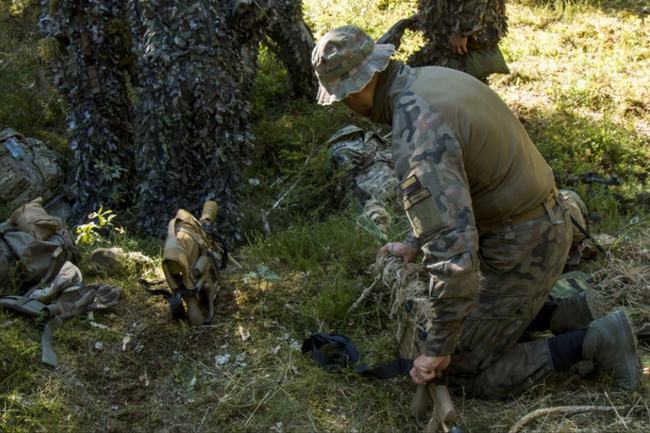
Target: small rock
(116, 261)
(99, 346)
(222, 359)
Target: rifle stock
(444, 415)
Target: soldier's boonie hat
(345, 60)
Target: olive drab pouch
(33, 248)
(578, 210)
(580, 249)
(192, 259)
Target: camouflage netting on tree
(193, 114)
(91, 53)
(192, 65)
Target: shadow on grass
(574, 143)
(608, 164)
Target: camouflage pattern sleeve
(468, 16)
(436, 198)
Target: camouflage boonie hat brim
(345, 60)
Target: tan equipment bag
(191, 262)
(33, 248)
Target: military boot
(611, 344)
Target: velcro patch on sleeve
(409, 185)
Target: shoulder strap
(34, 308)
(24, 304)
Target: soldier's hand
(400, 249)
(458, 43)
(426, 368)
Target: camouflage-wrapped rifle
(192, 260)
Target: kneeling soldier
(485, 213)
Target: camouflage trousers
(519, 266)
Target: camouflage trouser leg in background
(519, 265)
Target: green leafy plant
(100, 227)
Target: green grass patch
(28, 102)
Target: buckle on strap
(24, 304)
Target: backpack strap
(48, 356)
(74, 301)
(386, 370)
(174, 299)
(25, 305)
(34, 308)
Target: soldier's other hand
(401, 250)
(458, 43)
(426, 368)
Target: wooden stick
(364, 295)
(565, 410)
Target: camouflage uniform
(484, 23)
(491, 267)
(483, 207)
(286, 34)
(292, 41)
(369, 177)
(91, 70)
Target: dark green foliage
(28, 103)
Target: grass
(29, 103)
(578, 84)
